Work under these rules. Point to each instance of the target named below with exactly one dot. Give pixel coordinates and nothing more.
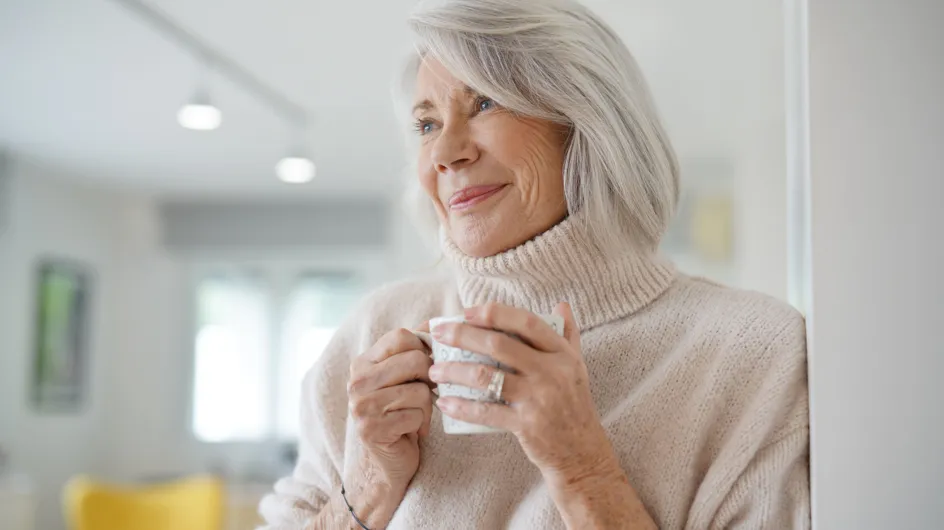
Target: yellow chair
(194, 503)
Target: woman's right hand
(390, 400)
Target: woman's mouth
(469, 197)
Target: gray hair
(556, 60)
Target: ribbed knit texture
(701, 388)
(557, 266)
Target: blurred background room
(163, 289)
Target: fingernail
(437, 332)
(435, 372)
(444, 405)
(469, 313)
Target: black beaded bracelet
(350, 509)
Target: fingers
(571, 330)
(389, 389)
(525, 324)
(473, 375)
(405, 367)
(389, 427)
(372, 408)
(497, 345)
(392, 343)
(407, 396)
(427, 410)
(479, 412)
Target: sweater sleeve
(773, 492)
(763, 479)
(297, 499)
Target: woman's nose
(454, 148)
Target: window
(231, 352)
(256, 337)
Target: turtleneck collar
(562, 265)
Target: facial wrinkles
(519, 151)
(530, 177)
(537, 167)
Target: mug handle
(425, 337)
(428, 341)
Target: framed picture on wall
(61, 356)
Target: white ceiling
(91, 90)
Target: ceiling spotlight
(295, 169)
(199, 114)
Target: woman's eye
(485, 104)
(423, 127)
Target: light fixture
(295, 169)
(199, 114)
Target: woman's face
(495, 179)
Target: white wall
(760, 153)
(149, 373)
(48, 217)
(760, 231)
(877, 184)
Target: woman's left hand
(549, 408)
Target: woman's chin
(478, 238)
(480, 252)
(481, 241)
(477, 247)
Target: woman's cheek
(427, 176)
(429, 181)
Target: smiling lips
(469, 197)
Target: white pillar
(876, 139)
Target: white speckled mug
(445, 353)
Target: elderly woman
(668, 402)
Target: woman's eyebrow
(423, 105)
(428, 105)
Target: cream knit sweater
(701, 388)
